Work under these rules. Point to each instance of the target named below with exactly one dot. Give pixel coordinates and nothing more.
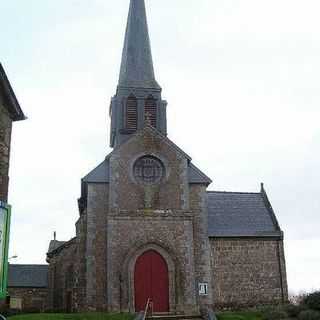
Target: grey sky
(242, 79)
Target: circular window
(149, 170)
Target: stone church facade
(148, 226)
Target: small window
(150, 111)
(131, 113)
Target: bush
(312, 300)
(274, 313)
(309, 315)
(294, 310)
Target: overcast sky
(242, 79)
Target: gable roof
(27, 276)
(11, 103)
(235, 214)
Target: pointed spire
(136, 65)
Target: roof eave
(14, 108)
(27, 287)
(271, 236)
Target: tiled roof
(232, 214)
(27, 276)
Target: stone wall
(81, 265)
(96, 250)
(248, 272)
(63, 278)
(32, 299)
(5, 138)
(126, 194)
(203, 269)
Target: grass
(242, 315)
(75, 316)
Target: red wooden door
(151, 280)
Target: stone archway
(128, 285)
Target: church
(149, 228)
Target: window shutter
(150, 111)
(132, 114)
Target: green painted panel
(5, 215)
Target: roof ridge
(234, 192)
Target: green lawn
(239, 316)
(76, 316)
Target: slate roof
(11, 103)
(233, 214)
(27, 276)
(101, 174)
(55, 244)
(137, 65)
(197, 176)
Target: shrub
(274, 313)
(312, 300)
(309, 315)
(294, 310)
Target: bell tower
(138, 96)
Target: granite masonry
(149, 228)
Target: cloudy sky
(242, 79)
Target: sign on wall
(5, 214)
(203, 289)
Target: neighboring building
(28, 287)
(148, 227)
(9, 111)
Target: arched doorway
(151, 280)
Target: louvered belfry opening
(132, 113)
(150, 110)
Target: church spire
(138, 97)
(137, 65)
